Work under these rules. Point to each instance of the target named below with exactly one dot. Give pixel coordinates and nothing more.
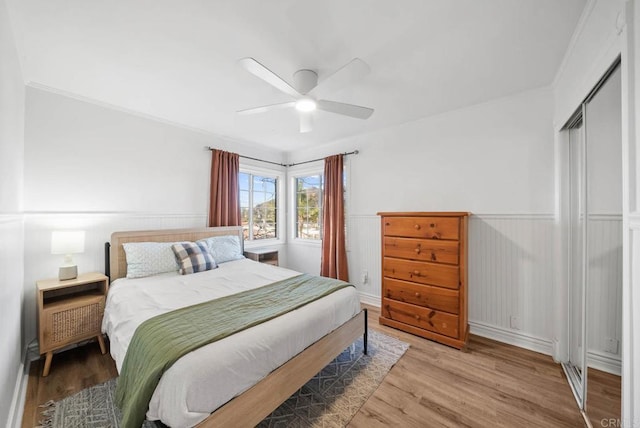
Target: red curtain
(334, 252)
(224, 201)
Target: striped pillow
(193, 257)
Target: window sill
(263, 243)
(306, 242)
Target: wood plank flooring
(489, 385)
(604, 395)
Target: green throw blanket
(160, 341)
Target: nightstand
(69, 312)
(263, 255)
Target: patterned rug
(330, 399)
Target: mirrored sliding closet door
(593, 213)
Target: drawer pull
(416, 272)
(432, 225)
(418, 295)
(417, 226)
(433, 257)
(417, 317)
(417, 250)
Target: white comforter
(205, 379)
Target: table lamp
(67, 242)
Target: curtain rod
(355, 152)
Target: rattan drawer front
(425, 273)
(422, 227)
(439, 298)
(428, 250)
(428, 319)
(64, 324)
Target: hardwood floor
(604, 395)
(489, 385)
(71, 371)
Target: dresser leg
(103, 348)
(47, 364)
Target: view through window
(309, 207)
(258, 206)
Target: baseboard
(16, 410)
(604, 362)
(512, 337)
(33, 351)
(369, 299)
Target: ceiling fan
(305, 88)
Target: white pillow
(224, 248)
(149, 258)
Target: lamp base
(67, 272)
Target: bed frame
(252, 406)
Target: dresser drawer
(439, 298)
(422, 227)
(422, 272)
(430, 250)
(417, 316)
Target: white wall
(11, 221)
(467, 159)
(493, 159)
(101, 169)
(593, 48)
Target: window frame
(281, 209)
(315, 168)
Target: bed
(241, 379)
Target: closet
(591, 215)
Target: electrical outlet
(611, 345)
(364, 276)
(514, 322)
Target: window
(258, 206)
(306, 192)
(308, 199)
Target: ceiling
(177, 60)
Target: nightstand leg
(103, 348)
(47, 364)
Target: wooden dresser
(424, 274)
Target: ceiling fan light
(305, 105)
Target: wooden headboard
(118, 260)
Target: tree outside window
(258, 206)
(309, 207)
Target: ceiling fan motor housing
(305, 80)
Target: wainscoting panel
(12, 388)
(363, 244)
(510, 274)
(511, 278)
(604, 302)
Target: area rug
(330, 399)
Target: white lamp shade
(67, 242)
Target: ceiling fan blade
(270, 107)
(306, 122)
(351, 110)
(348, 74)
(259, 70)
